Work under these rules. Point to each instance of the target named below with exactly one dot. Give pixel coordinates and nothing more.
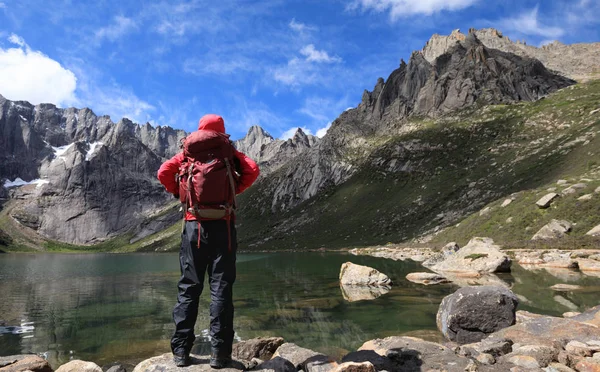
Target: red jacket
(168, 170)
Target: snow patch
(60, 151)
(19, 182)
(90, 152)
(23, 118)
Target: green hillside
(453, 167)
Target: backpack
(206, 176)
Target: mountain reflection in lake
(107, 308)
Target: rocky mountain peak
(576, 61)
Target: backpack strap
(231, 182)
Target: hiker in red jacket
(206, 176)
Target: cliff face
(270, 153)
(576, 61)
(94, 178)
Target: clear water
(117, 308)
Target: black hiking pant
(215, 256)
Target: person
(208, 245)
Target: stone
(298, 356)
(355, 367)
(426, 278)
(164, 363)
(79, 366)
(555, 229)
(354, 293)
(480, 255)
(351, 274)
(595, 231)
(450, 249)
(558, 367)
(262, 348)
(585, 197)
(570, 314)
(380, 362)
(277, 364)
(590, 316)
(565, 302)
(547, 200)
(524, 361)
(588, 365)
(319, 364)
(579, 186)
(506, 202)
(597, 191)
(486, 358)
(24, 362)
(523, 316)
(547, 330)
(495, 348)
(116, 368)
(414, 354)
(566, 287)
(471, 313)
(586, 265)
(579, 349)
(485, 211)
(542, 354)
(561, 182)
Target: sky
(280, 64)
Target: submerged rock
(351, 274)
(353, 293)
(471, 313)
(426, 278)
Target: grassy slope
(469, 160)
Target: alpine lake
(109, 308)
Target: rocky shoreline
(484, 331)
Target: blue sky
(280, 64)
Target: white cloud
(120, 26)
(322, 131)
(404, 8)
(2, 6)
(32, 76)
(528, 23)
(118, 102)
(218, 66)
(297, 72)
(314, 55)
(301, 27)
(290, 132)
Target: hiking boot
(218, 362)
(182, 360)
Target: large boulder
(555, 229)
(262, 348)
(79, 366)
(164, 363)
(594, 231)
(546, 200)
(300, 356)
(351, 274)
(277, 364)
(481, 255)
(415, 354)
(471, 313)
(24, 362)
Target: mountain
(580, 62)
(270, 153)
(90, 179)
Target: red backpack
(206, 176)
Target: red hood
(212, 122)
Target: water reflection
(108, 308)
